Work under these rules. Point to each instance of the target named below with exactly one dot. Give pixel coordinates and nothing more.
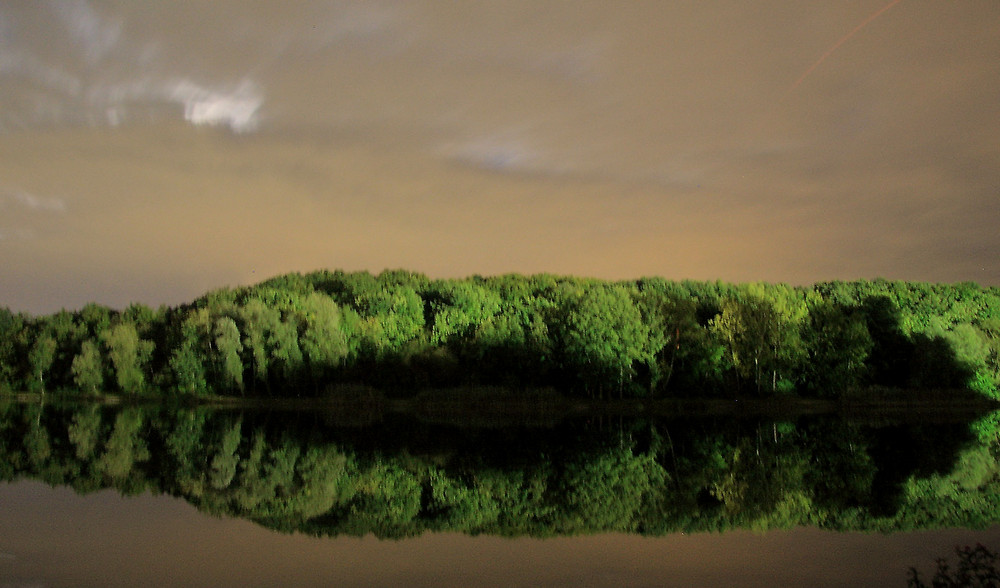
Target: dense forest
(299, 471)
(306, 335)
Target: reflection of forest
(400, 331)
(293, 471)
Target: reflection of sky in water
(210, 143)
(53, 536)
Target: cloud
(97, 36)
(16, 63)
(34, 203)
(88, 72)
(495, 153)
(236, 108)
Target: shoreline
(492, 405)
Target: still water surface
(158, 517)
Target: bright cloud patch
(236, 109)
(82, 67)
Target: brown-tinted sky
(152, 151)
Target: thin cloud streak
(34, 203)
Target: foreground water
(103, 496)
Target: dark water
(101, 496)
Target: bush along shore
(399, 332)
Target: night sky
(150, 151)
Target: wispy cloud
(95, 34)
(495, 154)
(31, 202)
(18, 206)
(121, 80)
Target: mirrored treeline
(298, 471)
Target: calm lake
(154, 496)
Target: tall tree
(323, 341)
(257, 320)
(129, 354)
(88, 367)
(762, 332)
(228, 347)
(11, 327)
(40, 358)
(838, 345)
(187, 361)
(605, 336)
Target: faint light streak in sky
(840, 42)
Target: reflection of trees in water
(976, 567)
(290, 471)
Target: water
(101, 496)
(58, 538)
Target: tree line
(305, 334)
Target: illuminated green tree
(228, 347)
(88, 367)
(761, 329)
(605, 336)
(40, 358)
(129, 355)
(323, 341)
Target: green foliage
(761, 330)
(604, 336)
(223, 466)
(399, 330)
(11, 328)
(459, 309)
(186, 365)
(129, 355)
(228, 347)
(88, 367)
(392, 316)
(84, 432)
(323, 339)
(40, 359)
(607, 491)
(257, 321)
(95, 319)
(837, 344)
(125, 447)
(652, 477)
(676, 341)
